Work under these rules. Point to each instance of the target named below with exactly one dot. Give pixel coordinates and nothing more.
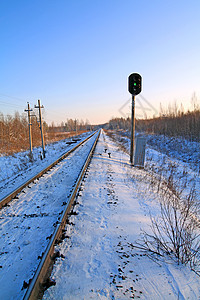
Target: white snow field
(17, 168)
(98, 258)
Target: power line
(22, 107)
(10, 104)
(13, 97)
(24, 101)
(17, 106)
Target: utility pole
(76, 126)
(41, 126)
(30, 131)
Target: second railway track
(32, 224)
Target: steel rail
(36, 286)
(14, 193)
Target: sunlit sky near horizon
(76, 56)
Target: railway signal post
(134, 87)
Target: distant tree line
(185, 125)
(70, 125)
(171, 122)
(118, 123)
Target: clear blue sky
(76, 55)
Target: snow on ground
(178, 148)
(170, 157)
(28, 221)
(17, 168)
(174, 147)
(98, 260)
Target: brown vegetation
(172, 122)
(14, 136)
(186, 125)
(14, 132)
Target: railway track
(52, 221)
(5, 200)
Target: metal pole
(132, 129)
(41, 126)
(30, 131)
